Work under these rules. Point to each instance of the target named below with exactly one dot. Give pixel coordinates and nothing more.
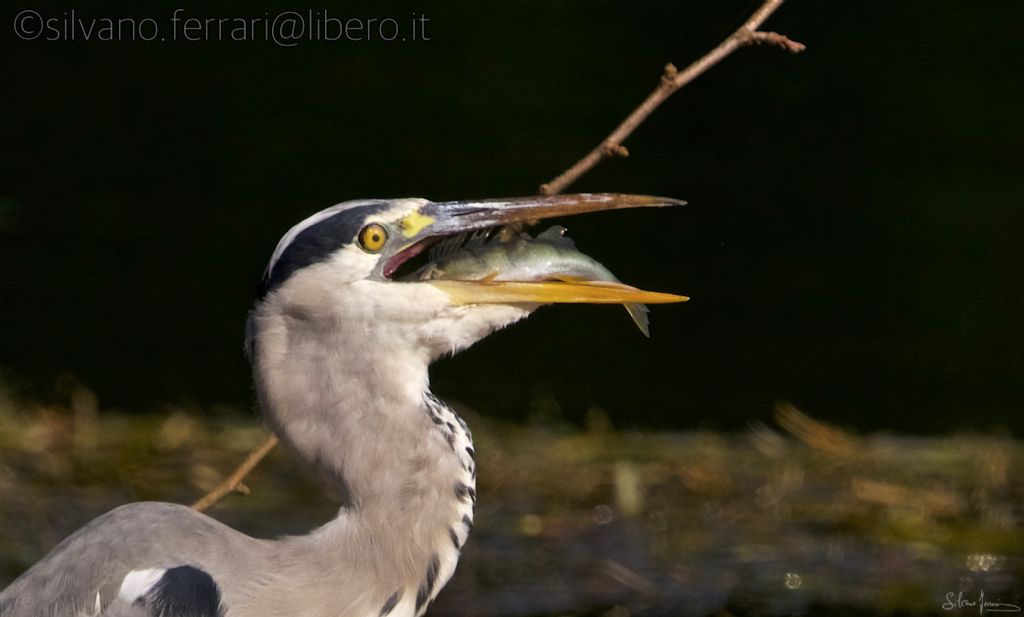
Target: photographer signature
(957, 600)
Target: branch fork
(672, 79)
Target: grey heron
(340, 352)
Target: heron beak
(454, 217)
(451, 217)
(550, 292)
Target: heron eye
(372, 237)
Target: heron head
(339, 268)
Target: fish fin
(556, 235)
(489, 277)
(639, 314)
(508, 233)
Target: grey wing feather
(96, 558)
(120, 608)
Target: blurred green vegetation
(792, 516)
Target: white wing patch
(138, 583)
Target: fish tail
(639, 314)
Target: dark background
(852, 243)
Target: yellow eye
(372, 237)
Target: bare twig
(233, 483)
(672, 80)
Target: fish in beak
(508, 273)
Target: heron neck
(400, 458)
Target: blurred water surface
(791, 517)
